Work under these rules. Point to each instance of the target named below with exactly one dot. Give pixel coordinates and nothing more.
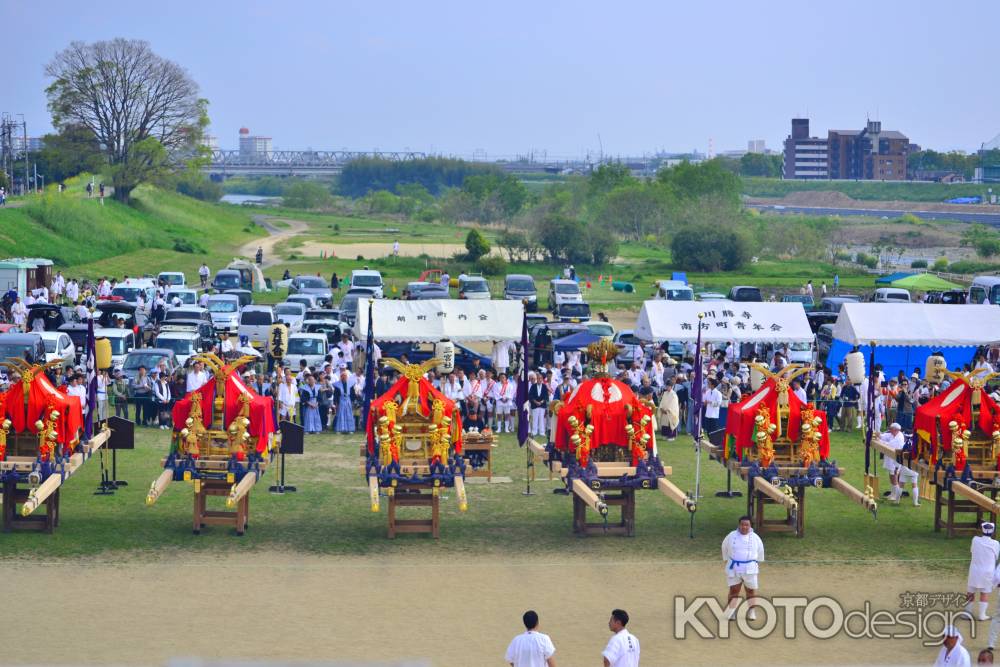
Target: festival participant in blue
(309, 398)
(342, 403)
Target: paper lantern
(445, 350)
(935, 368)
(102, 349)
(855, 367)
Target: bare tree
(141, 107)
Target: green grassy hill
(158, 230)
(866, 190)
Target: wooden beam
(774, 493)
(373, 492)
(588, 496)
(159, 485)
(674, 493)
(976, 497)
(853, 494)
(463, 501)
(241, 489)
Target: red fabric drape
(740, 418)
(261, 411)
(182, 408)
(428, 394)
(954, 403)
(607, 400)
(42, 395)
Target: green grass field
(330, 514)
(866, 190)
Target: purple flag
(870, 413)
(522, 387)
(88, 421)
(697, 391)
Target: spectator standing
(142, 394)
(531, 648)
(623, 647)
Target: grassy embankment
(866, 190)
(331, 515)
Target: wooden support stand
(479, 445)
(793, 522)
(420, 495)
(957, 505)
(238, 519)
(625, 499)
(12, 519)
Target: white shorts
(505, 407)
(980, 583)
(735, 578)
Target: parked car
(129, 290)
(745, 293)
(948, 297)
(184, 344)
(315, 286)
(985, 289)
(27, 346)
(473, 287)
(806, 300)
(244, 295)
(573, 311)
(673, 290)
(186, 297)
(598, 328)
(521, 287)
(58, 346)
(832, 304)
(307, 300)
(52, 316)
(227, 279)
(419, 352)
(171, 279)
(891, 295)
(150, 357)
(109, 312)
(188, 313)
(255, 324)
(541, 338)
(563, 291)
(801, 353)
(122, 342)
(824, 341)
(224, 311)
(311, 347)
(627, 343)
(711, 296)
(331, 329)
(77, 333)
(419, 291)
(367, 278)
(292, 314)
(535, 319)
(204, 330)
(818, 318)
(325, 314)
(349, 308)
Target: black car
(818, 318)
(420, 352)
(52, 316)
(27, 346)
(109, 312)
(77, 333)
(948, 297)
(541, 338)
(245, 296)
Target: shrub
(305, 194)
(918, 264)
(185, 246)
(842, 256)
(707, 248)
(864, 259)
(969, 266)
(360, 258)
(476, 245)
(940, 264)
(491, 266)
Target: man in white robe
(898, 473)
(742, 551)
(985, 550)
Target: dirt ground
(290, 606)
(383, 249)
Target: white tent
(723, 321)
(457, 320)
(913, 324)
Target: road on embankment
(991, 219)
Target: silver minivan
(255, 324)
(225, 312)
(891, 295)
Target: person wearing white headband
(898, 473)
(952, 653)
(985, 551)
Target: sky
(557, 79)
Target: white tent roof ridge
(723, 321)
(918, 324)
(433, 320)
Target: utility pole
(35, 166)
(24, 126)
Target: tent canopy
(434, 320)
(576, 341)
(924, 282)
(890, 278)
(923, 324)
(724, 321)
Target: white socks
(982, 611)
(916, 496)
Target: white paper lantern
(855, 367)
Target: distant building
(756, 146)
(805, 157)
(254, 147)
(210, 142)
(868, 154)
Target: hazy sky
(512, 77)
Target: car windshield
(800, 347)
(172, 279)
(349, 304)
(601, 329)
(180, 346)
(897, 297)
(797, 298)
(255, 318)
(312, 283)
(321, 315)
(562, 333)
(366, 281)
(222, 307)
(177, 314)
(50, 346)
(521, 285)
(10, 350)
(677, 294)
(147, 359)
(128, 293)
(311, 346)
(567, 288)
(117, 345)
(289, 309)
(628, 339)
(476, 286)
(227, 281)
(574, 310)
(322, 327)
(185, 297)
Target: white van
(255, 324)
(225, 312)
(674, 290)
(172, 279)
(184, 344)
(891, 295)
(309, 346)
(122, 342)
(563, 291)
(368, 279)
(985, 289)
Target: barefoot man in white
(985, 551)
(742, 550)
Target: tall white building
(254, 147)
(756, 146)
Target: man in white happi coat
(982, 566)
(952, 653)
(19, 313)
(742, 551)
(504, 393)
(196, 377)
(501, 355)
(898, 472)
(477, 388)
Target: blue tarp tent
(576, 341)
(895, 358)
(893, 277)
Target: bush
(969, 266)
(864, 259)
(185, 246)
(360, 258)
(304, 194)
(476, 245)
(918, 264)
(842, 256)
(491, 266)
(708, 248)
(194, 184)
(940, 264)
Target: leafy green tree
(435, 174)
(382, 201)
(760, 164)
(562, 237)
(709, 248)
(607, 177)
(710, 178)
(72, 151)
(140, 107)
(513, 243)
(476, 245)
(984, 240)
(634, 209)
(307, 195)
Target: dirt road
(452, 609)
(276, 235)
